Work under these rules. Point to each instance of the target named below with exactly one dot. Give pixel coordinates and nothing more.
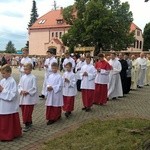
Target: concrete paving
(135, 104)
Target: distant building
(46, 32)
(138, 44)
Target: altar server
(101, 80)
(28, 95)
(9, 117)
(48, 70)
(24, 61)
(69, 90)
(54, 95)
(87, 74)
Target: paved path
(136, 104)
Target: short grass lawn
(120, 134)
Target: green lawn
(120, 134)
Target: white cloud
(15, 15)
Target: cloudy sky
(15, 15)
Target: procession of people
(108, 78)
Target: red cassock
(27, 111)
(53, 113)
(87, 97)
(10, 127)
(101, 89)
(68, 103)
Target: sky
(15, 15)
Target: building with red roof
(47, 31)
(138, 44)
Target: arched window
(140, 44)
(137, 46)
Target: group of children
(60, 95)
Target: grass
(120, 134)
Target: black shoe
(50, 122)
(88, 109)
(42, 96)
(114, 98)
(84, 108)
(67, 114)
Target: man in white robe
(142, 69)
(147, 79)
(134, 73)
(114, 86)
(47, 66)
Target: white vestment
(67, 60)
(78, 69)
(48, 71)
(54, 97)
(69, 89)
(147, 78)
(28, 83)
(142, 70)
(134, 74)
(9, 103)
(87, 82)
(24, 60)
(115, 85)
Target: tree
(27, 44)
(34, 14)
(10, 48)
(146, 36)
(104, 24)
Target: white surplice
(48, 71)
(147, 78)
(28, 83)
(24, 60)
(142, 70)
(67, 60)
(115, 85)
(9, 103)
(88, 82)
(102, 77)
(134, 74)
(69, 89)
(78, 68)
(54, 97)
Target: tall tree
(34, 14)
(146, 33)
(10, 48)
(104, 24)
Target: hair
(25, 49)
(54, 64)
(114, 53)
(127, 54)
(67, 53)
(69, 64)
(28, 65)
(88, 56)
(6, 68)
(101, 55)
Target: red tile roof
(49, 20)
(133, 27)
(57, 41)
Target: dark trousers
(128, 84)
